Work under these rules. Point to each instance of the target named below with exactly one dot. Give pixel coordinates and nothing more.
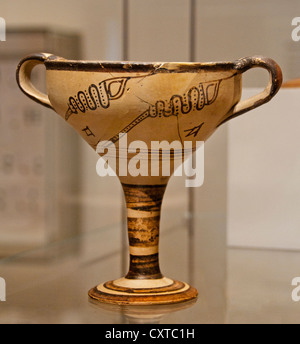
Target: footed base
(143, 292)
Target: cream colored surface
(214, 90)
(142, 251)
(143, 214)
(113, 292)
(147, 283)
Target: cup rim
(56, 63)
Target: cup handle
(23, 75)
(244, 64)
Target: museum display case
(63, 228)
(38, 179)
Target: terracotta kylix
(149, 102)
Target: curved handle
(267, 94)
(23, 75)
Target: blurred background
(246, 213)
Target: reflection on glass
(142, 314)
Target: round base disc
(143, 292)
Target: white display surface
(264, 174)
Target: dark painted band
(144, 267)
